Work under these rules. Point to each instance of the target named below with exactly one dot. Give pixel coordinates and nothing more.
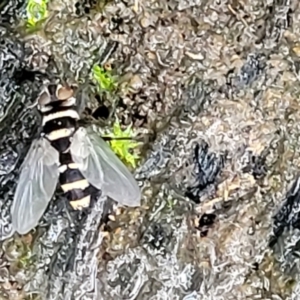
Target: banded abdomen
(59, 125)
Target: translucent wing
(36, 185)
(103, 169)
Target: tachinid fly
(76, 157)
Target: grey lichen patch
(68, 265)
(122, 231)
(16, 262)
(269, 271)
(73, 45)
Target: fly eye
(44, 99)
(64, 93)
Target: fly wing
(36, 185)
(103, 169)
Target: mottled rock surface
(213, 88)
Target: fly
(74, 156)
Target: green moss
(124, 148)
(26, 259)
(104, 79)
(171, 203)
(36, 11)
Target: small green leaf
(26, 258)
(36, 11)
(104, 78)
(124, 148)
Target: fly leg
(109, 138)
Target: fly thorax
(57, 105)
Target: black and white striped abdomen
(59, 125)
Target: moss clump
(124, 148)
(106, 82)
(37, 12)
(26, 259)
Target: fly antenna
(109, 138)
